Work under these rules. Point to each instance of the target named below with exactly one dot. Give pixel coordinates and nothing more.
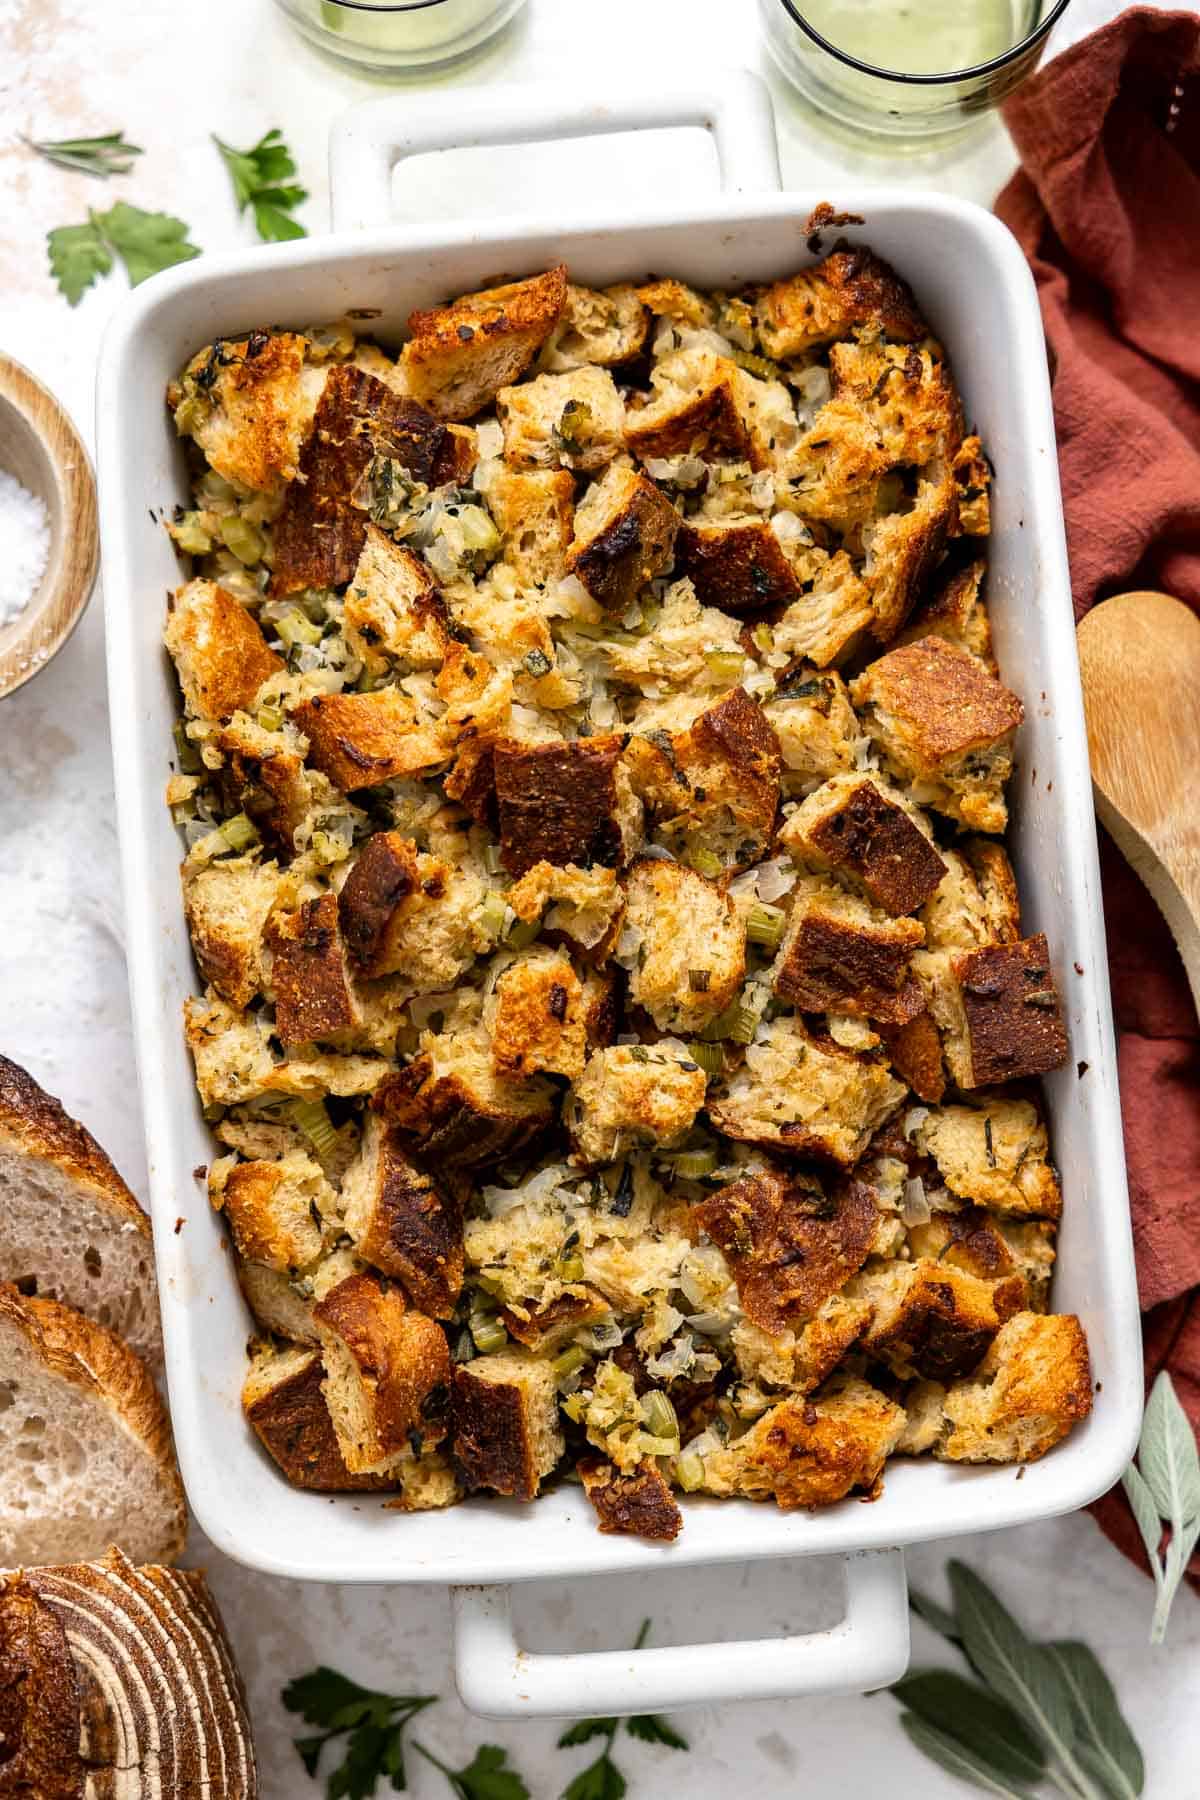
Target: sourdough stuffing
(591, 769)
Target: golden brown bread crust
(220, 653)
(914, 1050)
(269, 789)
(851, 288)
(708, 418)
(319, 534)
(292, 1423)
(359, 740)
(812, 1452)
(788, 1246)
(1014, 1022)
(559, 803)
(1033, 1386)
(832, 964)
(401, 1358)
(955, 611)
(546, 1019)
(720, 776)
(938, 1321)
(39, 1700)
(740, 568)
(494, 1439)
(78, 1350)
(412, 1225)
(33, 1123)
(460, 356)
(383, 875)
(639, 1505)
(313, 1000)
(547, 1326)
(870, 837)
(453, 1126)
(946, 700)
(632, 546)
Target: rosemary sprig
(103, 156)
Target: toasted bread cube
(284, 1404)
(841, 955)
(403, 1222)
(542, 1017)
(220, 655)
(282, 1214)
(796, 1096)
(393, 610)
(738, 565)
(276, 1301)
(973, 475)
(565, 803)
(976, 902)
(993, 1154)
(944, 725)
(607, 327)
(406, 912)
(633, 1094)
(462, 1114)
(811, 1451)
(806, 1352)
(1033, 1385)
(932, 1319)
(319, 534)
(992, 1247)
(903, 549)
(460, 356)
(914, 1050)
(359, 740)
(234, 1062)
(848, 290)
(1014, 1024)
(636, 1505)
(689, 960)
(625, 532)
(906, 394)
(714, 785)
(855, 825)
(248, 403)
(227, 905)
(838, 475)
(506, 1433)
(702, 403)
(678, 649)
(534, 511)
(427, 1482)
(585, 905)
(387, 1371)
(546, 1328)
(477, 696)
(667, 298)
(263, 775)
(828, 621)
(955, 611)
(314, 1000)
(572, 421)
(789, 1246)
(814, 723)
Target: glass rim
(972, 72)
(397, 6)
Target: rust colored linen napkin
(1106, 206)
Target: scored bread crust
(36, 1129)
(95, 1361)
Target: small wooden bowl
(41, 447)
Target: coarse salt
(24, 546)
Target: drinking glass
(393, 38)
(907, 73)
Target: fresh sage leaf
(1167, 1455)
(974, 1718)
(1179, 1553)
(1141, 1501)
(958, 1760)
(1105, 1743)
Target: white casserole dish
(974, 286)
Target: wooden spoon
(1139, 655)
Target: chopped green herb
(372, 1724)
(261, 180)
(485, 1777)
(145, 242)
(100, 156)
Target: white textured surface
(169, 75)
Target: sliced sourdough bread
(119, 1681)
(86, 1458)
(70, 1229)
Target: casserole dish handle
(370, 139)
(866, 1649)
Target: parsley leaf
(145, 242)
(101, 156)
(372, 1723)
(78, 254)
(484, 1778)
(602, 1780)
(261, 179)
